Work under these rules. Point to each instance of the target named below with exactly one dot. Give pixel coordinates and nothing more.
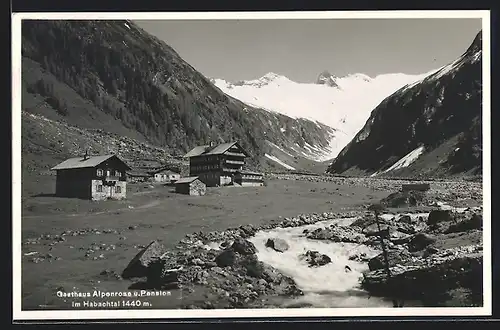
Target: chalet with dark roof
(92, 177)
(216, 165)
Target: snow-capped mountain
(429, 128)
(158, 97)
(343, 103)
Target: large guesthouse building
(216, 165)
(92, 177)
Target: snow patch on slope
(280, 149)
(406, 161)
(273, 158)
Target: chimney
(212, 144)
(86, 156)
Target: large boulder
(474, 222)
(399, 238)
(359, 257)
(363, 221)
(315, 259)
(337, 233)
(243, 247)
(373, 230)
(393, 257)
(139, 264)
(232, 254)
(257, 269)
(406, 228)
(247, 231)
(404, 199)
(429, 279)
(437, 216)
(161, 273)
(406, 219)
(227, 258)
(420, 241)
(277, 244)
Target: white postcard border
(19, 315)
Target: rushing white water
(324, 286)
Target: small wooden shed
(191, 186)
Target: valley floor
(76, 245)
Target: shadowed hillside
(428, 129)
(114, 76)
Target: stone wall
(197, 188)
(118, 191)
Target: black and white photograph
(252, 164)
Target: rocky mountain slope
(431, 128)
(114, 76)
(343, 103)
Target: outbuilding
(191, 186)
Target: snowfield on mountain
(343, 103)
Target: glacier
(343, 103)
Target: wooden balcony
(235, 154)
(231, 170)
(235, 162)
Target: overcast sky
(301, 49)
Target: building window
(99, 188)
(108, 173)
(118, 189)
(118, 173)
(99, 172)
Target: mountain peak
(326, 78)
(270, 76)
(262, 81)
(476, 44)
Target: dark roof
(196, 151)
(164, 170)
(187, 180)
(217, 150)
(81, 162)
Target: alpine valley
(110, 86)
(292, 240)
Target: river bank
(328, 260)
